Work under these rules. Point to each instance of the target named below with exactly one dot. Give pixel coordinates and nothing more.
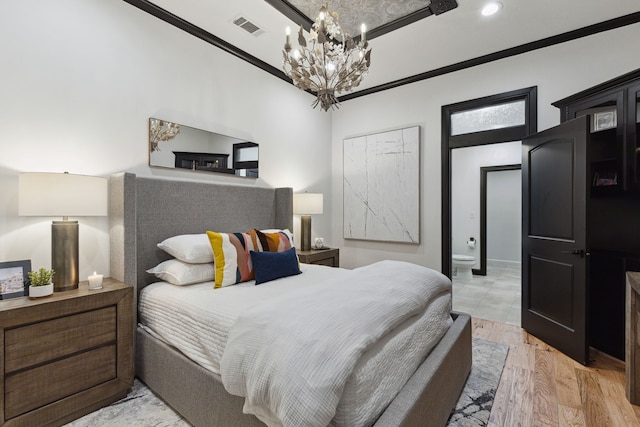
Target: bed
(145, 211)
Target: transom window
(489, 118)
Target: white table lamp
(62, 194)
(306, 204)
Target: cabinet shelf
(605, 177)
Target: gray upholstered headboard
(145, 211)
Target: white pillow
(181, 273)
(191, 248)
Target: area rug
(141, 408)
(474, 406)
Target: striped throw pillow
(231, 253)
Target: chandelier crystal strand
(329, 62)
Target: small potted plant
(41, 284)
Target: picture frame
(603, 120)
(14, 279)
(381, 186)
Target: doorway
(486, 194)
(484, 123)
(459, 130)
(500, 215)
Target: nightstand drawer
(39, 343)
(326, 261)
(329, 257)
(34, 388)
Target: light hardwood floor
(542, 387)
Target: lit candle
(363, 33)
(95, 281)
(321, 16)
(287, 43)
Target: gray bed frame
(144, 211)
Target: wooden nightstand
(65, 355)
(330, 257)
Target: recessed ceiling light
(491, 8)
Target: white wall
(465, 190)
(558, 71)
(504, 215)
(79, 81)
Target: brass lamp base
(64, 255)
(305, 232)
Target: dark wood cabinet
(613, 202)
(606, 302)
(613, 158)
(613, 106)
(607, 299)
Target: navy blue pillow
(269, 266)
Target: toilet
(462, 265)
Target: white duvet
(291, 358)
(199, 322)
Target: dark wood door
(554, 238)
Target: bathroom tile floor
(495, 296)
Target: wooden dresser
(65, 355)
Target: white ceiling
(437, 41)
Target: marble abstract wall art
(381, 186)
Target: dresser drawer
(39, 386)
(38, 343)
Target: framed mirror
(172, 145)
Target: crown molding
(200, 33)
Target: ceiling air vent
(248, 26)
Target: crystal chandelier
(329, 62)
